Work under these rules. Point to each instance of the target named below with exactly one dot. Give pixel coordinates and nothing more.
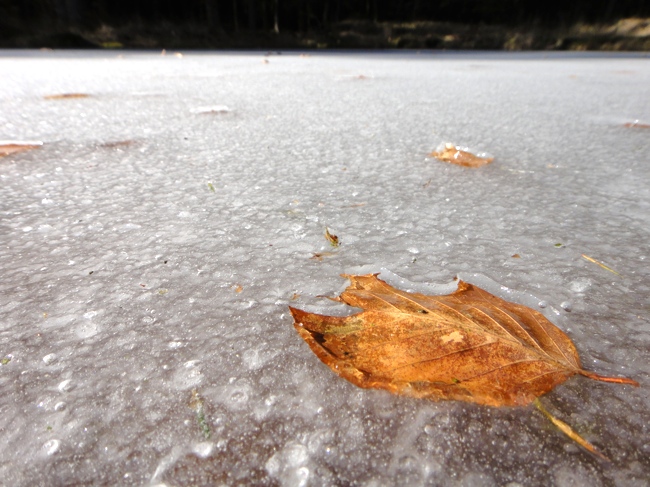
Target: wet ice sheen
(129, 284)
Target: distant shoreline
(631, 34)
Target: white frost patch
(203, 449)
(187, 376)
(288, 465)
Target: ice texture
(150, 248)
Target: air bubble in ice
(66, 386)
(203, 449)
(542, 304)
(301, 476)
(51, 447)
(50, 358)
(239, 397)
(566, 305)
(60, 406)
(288, 465)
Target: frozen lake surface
(150, 248)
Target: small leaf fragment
(331, 238)
(211, 110)
(63, 96)
(211, 187)
(118, 144)
(320, 255)
(637, 124)
(457, 155)
(8, 147)
(591, 259)
(567, 430)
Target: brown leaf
(62, 96)
(636, 124)
(118, 144)
(469, 345)
(13, 147)
(320, 255)
(455, 155)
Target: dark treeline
(311, 15)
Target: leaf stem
(602, 378)
(567, 430)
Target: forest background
(347, 24)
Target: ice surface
(150, 248)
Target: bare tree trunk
(68, 13)
(276, 25)
(235, 21)
(264, 16)
(326, 9)
(212, 15)
(415, 15)
(252, 15)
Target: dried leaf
(637, 125)
(211, 110)
(331, 238)
(320, 255)
(8, 147)
(456, 155)
(62, 96)
(469, 345)
(118, 144)
(590, 259)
